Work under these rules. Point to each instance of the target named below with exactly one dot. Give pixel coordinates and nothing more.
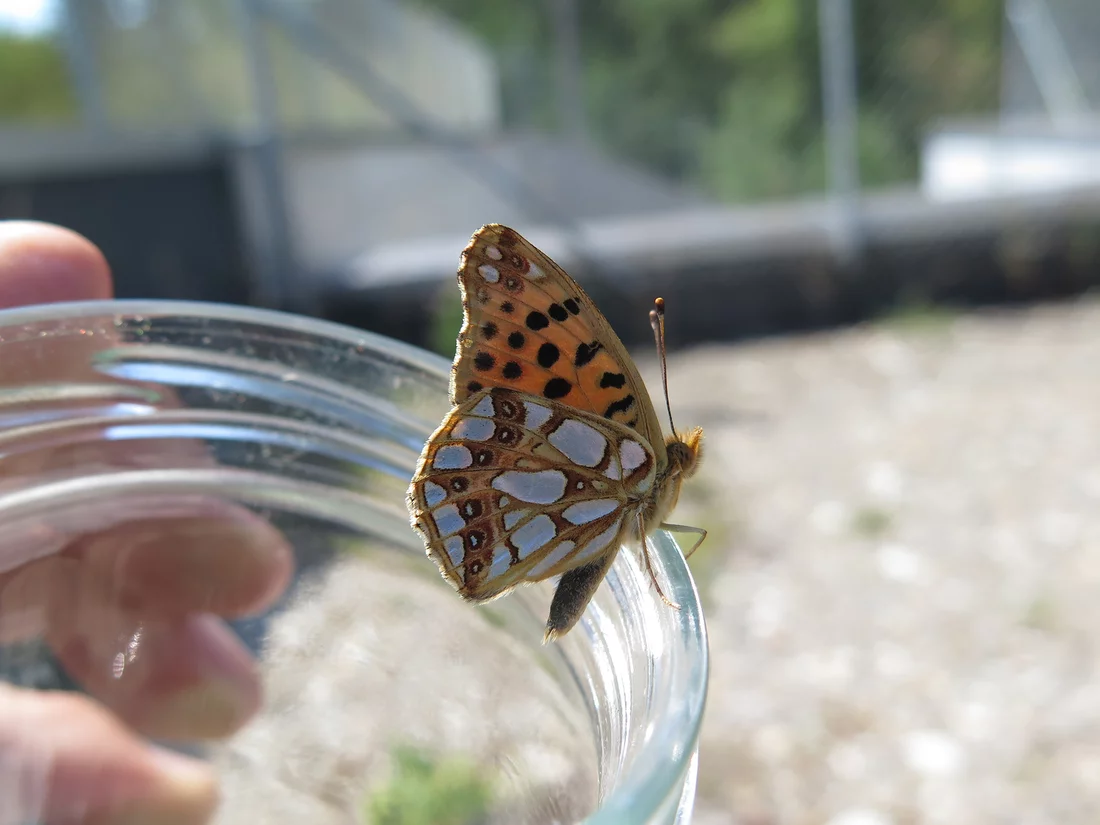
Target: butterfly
(552, 456)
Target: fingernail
(185, 793)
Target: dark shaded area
(169, 230)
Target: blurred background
(877, 227)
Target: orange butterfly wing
(529, 327)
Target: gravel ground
(903, 579)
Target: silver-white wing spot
(580, 443)
(452, 457)
(613, 469)
(633, 456)
(489, 273)
(502, 560)
(447, 520)
(474, 429)
(455, 551)
(585, 511)
(514, 517)
(433, 493)
(536, 415)
(536, 533)
(483, 408)
(550, 559)
(540, 487)
(494, 253)
(534, 271)
(597, 544)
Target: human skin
(168, 581)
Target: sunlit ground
(903, 573)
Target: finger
(41, 263)
(232, 566)
(187, 680)
(65, 760)
(206, 557)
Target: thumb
(63, 759)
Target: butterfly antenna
(657, 321)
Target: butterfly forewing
(513, 487)
(528, 326)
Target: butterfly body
(552, 457)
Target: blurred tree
(34, 81)
(727, 95)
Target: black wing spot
(507, 410)
(507, 435)
(536, 321)
(513, 285)
(507, 307)
(557, 388)
(474, 538)
(474, 567)
(484, 361)
(459, 484)
(633, 423)
(548, 355)
(572, 306)
(622, 405)
(474, 386)
(612, 379)
(516, 340)
(557, 312)
(586, 352)
(512, 371)
(483, 457)
(489, 330)
(472, 509)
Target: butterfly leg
(649, 565)
(684, 528)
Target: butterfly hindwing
(529, 327)
(513, 487)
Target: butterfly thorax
(684, 454)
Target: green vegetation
(871, 522)
(1042, 614)
(921, 316)
(722, 96)
(727, 96)
(446, 319)
(34, 82)
(428, 791)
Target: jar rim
(657, 774)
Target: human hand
(154, 587)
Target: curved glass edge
(653, 787)
(428, 362)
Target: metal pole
(82, 66)
(841, 107)
(279, 283)
(569, 69)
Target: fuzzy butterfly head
(553, 455)
(685, 452)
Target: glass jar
(372, 666)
